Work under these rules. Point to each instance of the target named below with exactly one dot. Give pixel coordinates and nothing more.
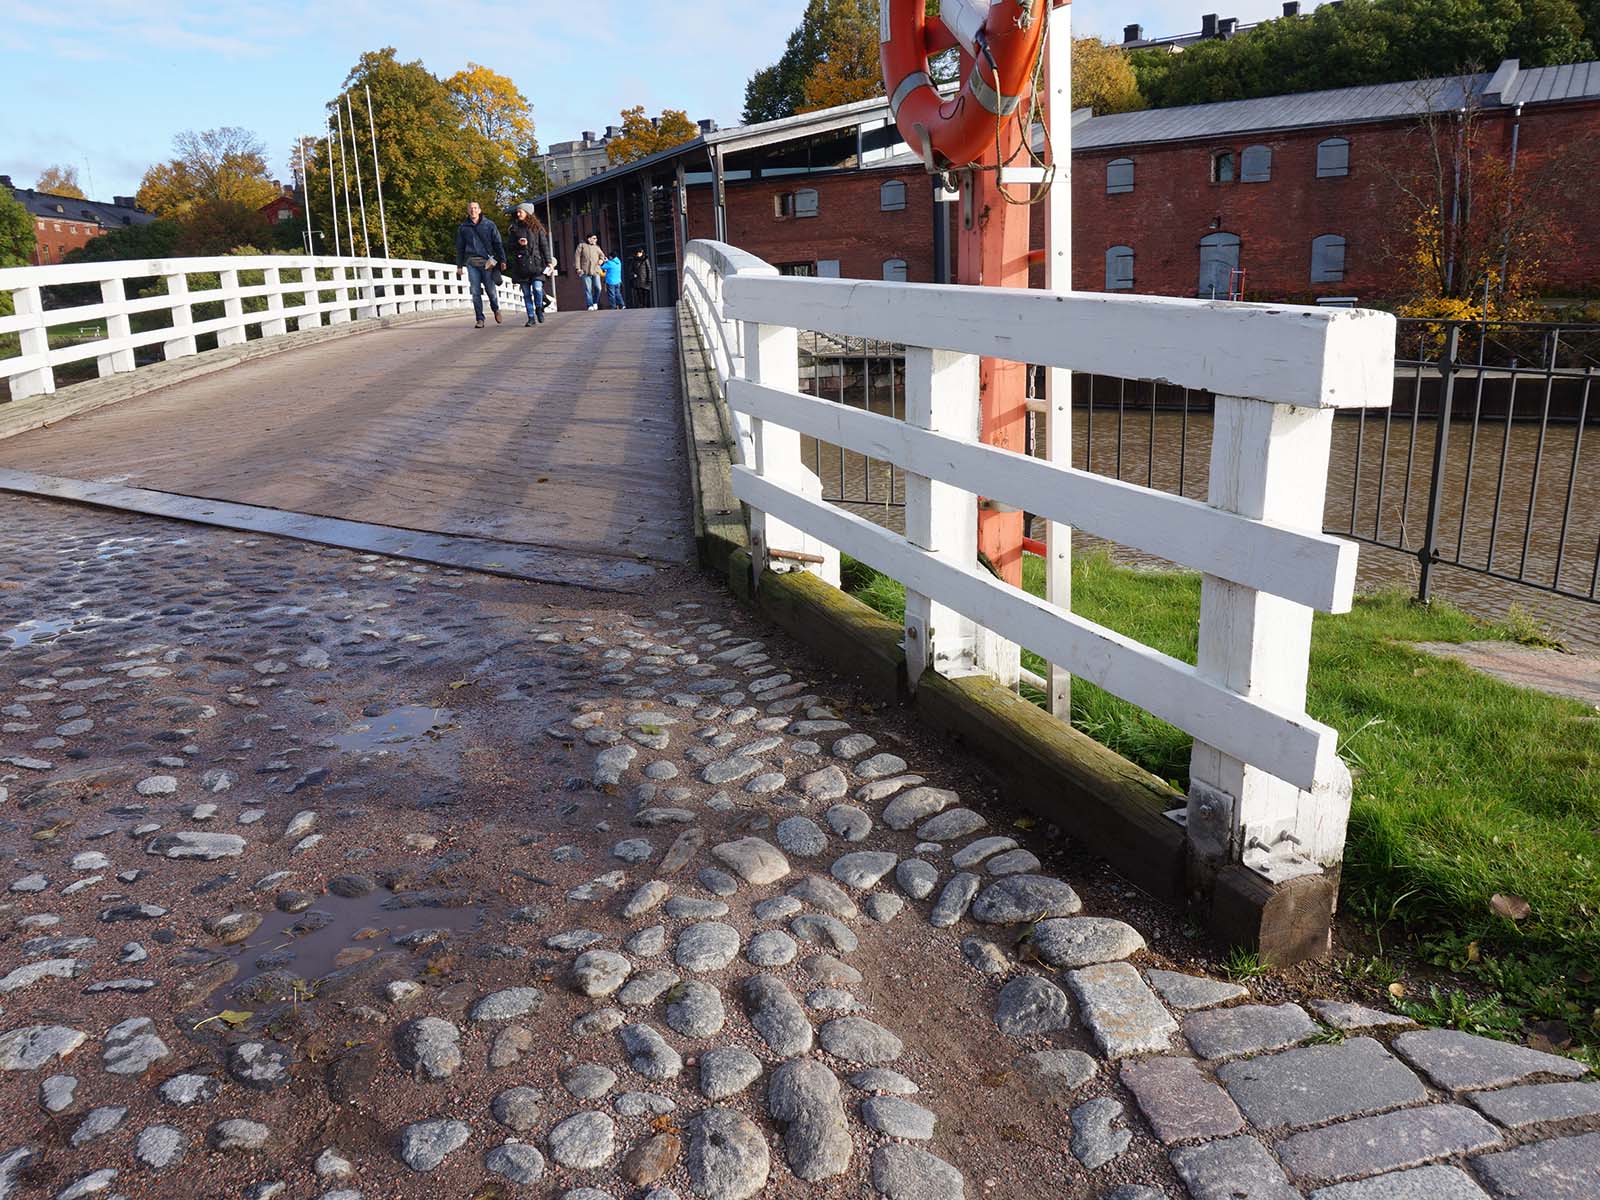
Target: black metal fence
(1488, 459)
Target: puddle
(122, 547)
(29, 632)
(397, 728)
(286, 946)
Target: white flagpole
(344, 170)
(377, 176)
(333, 197)
(361, 195)
(305, 192)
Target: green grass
(1465, 787)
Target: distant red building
(282, 208)
(62, 224)
(1297, 197)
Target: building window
(1119, 176)
(892, 196)
(44, 252)
(1219, 260)
(1327, 259)
(1333, 158)
(283, 215)
(802, 203)
(1119, 269)
(827, 268)
(1255, 165)
(804, 269)
(894, 270)
(1222, 167)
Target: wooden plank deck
(567, 435)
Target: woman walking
(530, 253)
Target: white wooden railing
(1268, 788)
(345, 289)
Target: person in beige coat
(591, 262)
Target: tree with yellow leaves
(223, 166)
(642, 136)
(1103, 78)
(491, 104)
(60, 181)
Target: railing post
(941, 395)
(340, 313)
(1441, 446)
(312, 294)
(182, 318)
(772, 358)
(273, 326)
(115, 297)
(233, 308)
(367, 291)
(1270, 462)
(35, 341)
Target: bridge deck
(564, 436)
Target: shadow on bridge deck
(565, 436)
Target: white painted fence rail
(345, 289)
(1268, 788)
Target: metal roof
(70, 208)
(1343, 106)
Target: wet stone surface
(347, 876)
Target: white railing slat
(1285, 743)
(1312, 568)
(1315, 358)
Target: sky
(105, 88)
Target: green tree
(1102, 78)
(153, 239)
(828, 26)
(433, 161)
(60, 181)
(16, 233)
(642, 136)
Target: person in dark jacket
(479, 251)
(529, 254)
(643, 277)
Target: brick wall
(850, 226)
(1174, 204)
(55, 236)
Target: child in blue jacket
(613, 270)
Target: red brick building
(283, 208)
(61, 224)
(1298, 197)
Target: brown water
(1379, 480)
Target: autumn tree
(1471, 225)
(491, 105)
(1103, 78)
(60, 181)
(217, 166)
(642, 136)
(837, 28)
(851, 68)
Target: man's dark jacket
(478, 241)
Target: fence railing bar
(1572, 476)
(1553, 339)
(1472, 452)
(1500, 477)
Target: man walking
(478, 251)
(591, 261)
(643, 277)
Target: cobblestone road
(337, 876)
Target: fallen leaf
(1397, 990)
(1472, 952)
(459, 684)
(1512, 908)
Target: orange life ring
(957, 132)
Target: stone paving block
(1122, 1013)
(1461, 1062)
(1342, 1015)
(1425, 1183)
(1320, 1083)
(1192, 991)
(1563, 1169)
(1373, 1145)
(1248, 1029)
(1235, 1169)
(1179, 1102)
(1536, 1103)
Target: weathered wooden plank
(1309, 567)
(1313, 357)
(1285, 743)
